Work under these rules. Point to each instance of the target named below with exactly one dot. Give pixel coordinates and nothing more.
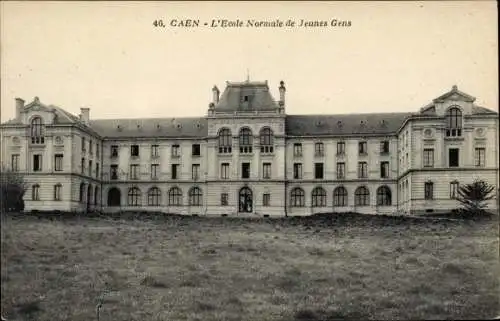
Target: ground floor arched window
(384, 196)
(340, 196)
(175, 196)
(318, 197)
(134, 197)
(362, 196)
(297, 197)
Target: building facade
(247, 157)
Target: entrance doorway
(245, 200)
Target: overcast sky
(109, 56)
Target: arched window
(37, 131)
(297, 198)
(246, 140)
(318, 197)
(362, 196)
(225, 143)
(454, 122)
(340, 196)
(154, 196)
(175, 196)
(266, 140)
(35, 192)
(82, 192)
(384, 196)
(134, 197)
(195, 196)
(57, 192)
(114, 197)
(97, 197)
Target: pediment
(455, 95)
(36, 105)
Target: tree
(12, 189)
(474, 196)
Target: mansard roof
(185, 127)
(257, 98)
(357, 124)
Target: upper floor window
(297, 171)
(37, 131)
(428, 157)
(83, 144)
(340, 170)
(15, 163)
(58, 162)
(454, 122)
(453, 157)
(362, 169)
(318, 171)
(363, 148)
(176, 150)
(91, 147)
(114, 151)
(225, 141)
(245, 170)
(155, 151)
(196, 150)
(479, 157)
(266, 170)
(297, 149)
(384, 147)
(134, 171)
(319, 149)
(340, 148)
(134, 150)
(114, 172)
(224, 171)
(384, 169)
(246, 140)
(97, 150)
(266, 140)
(37, 162)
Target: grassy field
(229, 269)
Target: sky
(109, 57)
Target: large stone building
(247, 157)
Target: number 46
(158, 23)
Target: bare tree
(12, 189)
(474, 196)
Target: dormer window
(454, 122)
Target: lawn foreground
(230, 269)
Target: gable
(455, 95)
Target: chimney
(85, 115)
(19, 107)
(216, 93)
(282, 93)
